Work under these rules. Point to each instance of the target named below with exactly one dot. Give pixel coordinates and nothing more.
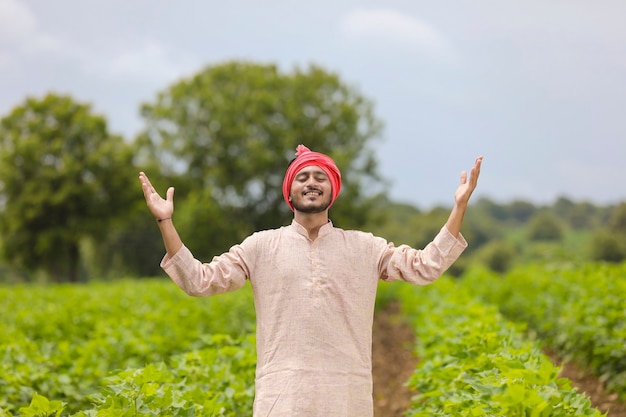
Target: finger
(463, 177)
(476, 169)
(145, 180)
(147, 189)
(478, 163)
(170, 194)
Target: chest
(298, 268)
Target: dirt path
(393, 363)
(593, 387)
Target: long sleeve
(226, 272)
(422, 266)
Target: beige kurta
(314, 303)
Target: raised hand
(467, 186)
(160, 208)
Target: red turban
(304, 158)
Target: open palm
(467, 186)
(159, 207)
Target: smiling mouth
(315, 193)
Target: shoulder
(265, 235)
(359, 236)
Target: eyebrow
(316, 172)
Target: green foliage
(545, 226)
(231, 129)
(607, 246)
(498, 255)
(133, 246)
(493, 209)
(579, 312)
(617, 220)
(145, 348)
(501, 235)
(207, 229)
(394, 224)
(475, 363)
(521, 211)
(426, 226)
(40, 406)
(582, 216)
(214, 381)
(61, 341)
(62, 178)
(70, 206)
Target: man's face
(311, 191)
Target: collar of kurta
(301, 230)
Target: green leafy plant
(578, 312)
(476, 363)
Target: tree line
(70, 202)
(503, 235)
(71, 208)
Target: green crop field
(578, 312)
(142, 347)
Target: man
(314, 289)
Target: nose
(309, 181)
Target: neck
(312, 222)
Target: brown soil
(592, 387)
(393, 363)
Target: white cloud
(149, 59)
(145, 61)
(113, 58)
(16, 22)
(19, 35)
(387, 25)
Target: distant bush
(607, 246)
(498, 255)
(545, 226)
(617, 219)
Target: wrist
(163, 219)
(461, 205)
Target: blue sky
(536, 87)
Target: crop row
(62, 341)
(217, 381)
(474, 362)
(580, 313)
(145, 348)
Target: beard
(310, 208)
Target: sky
(538, 88)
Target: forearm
(461, 198)
(455, 220)
(170, 236)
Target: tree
(545, 226)
(62, 178)
(492, 209)
(583, 216)
(227, 134)
(522, 210)
(617, 220)
(499, 255)
(425, 226)
(562, 207)
(608, 246)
